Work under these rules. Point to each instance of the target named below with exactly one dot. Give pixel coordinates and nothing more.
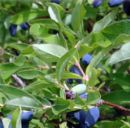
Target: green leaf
(67, 75)
(38, 30)
(16, 118)
(122, 38)
(48, 23)
(49, 52)
(93, 97)
(114, 30)
(37, 123)
(26, 16)
(97, 59)
(13, 92)
(120, 55)
(110, 124)
(29, 74)
(100, 40)
(55, 39)
(93, 75)
(85, 48)
(23, 102)
(20, 47)
(60, 106)
(10, 91)
(101, 24)
(36, 86)
(118, 97)
(78, 14)
(69, 34)
(20, 60)
(63, 62)
(6, 70)
(122, 80)
(56, 12)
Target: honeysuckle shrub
(40, 40)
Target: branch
(18, 80)
(123, 110)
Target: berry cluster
(24, 26)
(83, 119)
(114, 3)
(13, 28)
(26, 117)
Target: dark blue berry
(69, 81)
(25, 124)
(25, 26)
(26, 116)
(13, 29)
(55, 1)
(97, 3)
(1, 123)
(126, 7)
(85, 119)
(74, 69)
(92, 116)
(114, 3)
(79, 81)
(86, 59)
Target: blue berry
(126, 6)
(1, 123)
(13, 29)
(86, 59)
(97, 3)
(69, 81)
(26, 116)
(114, 3)
(55, 1)
(24, 26)
(92, 116)
(1, 126)
(75, 70)
(85, 119)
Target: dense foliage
(64, 64)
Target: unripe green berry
(79, 89)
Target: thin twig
(116, 106)
(18, 80)
(85, 77)
(122, 109)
